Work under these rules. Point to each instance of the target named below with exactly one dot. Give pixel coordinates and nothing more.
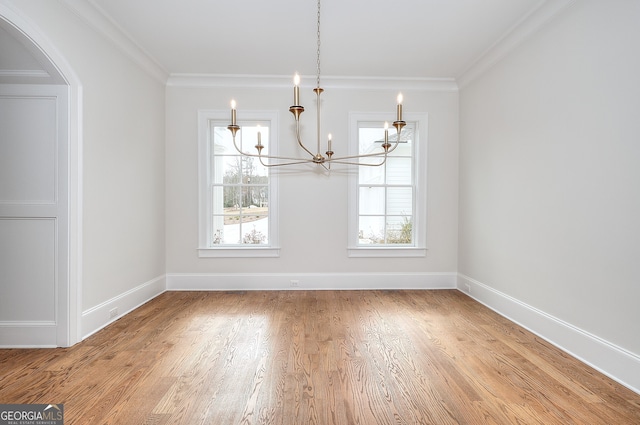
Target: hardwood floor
(315, 357)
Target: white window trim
(419, 249)
(204, 204)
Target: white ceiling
(371, 38)
(419, 39)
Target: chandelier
(325, 160)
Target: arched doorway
(39, 192)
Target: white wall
(122, 156)
(313, 206)
(549, 175)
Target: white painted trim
(617, 363)
(521, 31)
(385, 251)
(309, 81)
(308, 281)
(28, 334)
(96, 318)
(75, 210)
(29, 73)
(239, 252)
(100, 21)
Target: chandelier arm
(279, 164)
(257, 155)
(299, 139)
(284, 158)
(357, 163)
(366, 155)
(235, 145)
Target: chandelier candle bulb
(296, 90)
(386, 132)
(329, 142)
(399, 107)
(233, 112)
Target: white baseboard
(99, 316)
(611, 360)
(309, 281)
(24, 334)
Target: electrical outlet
(295, 283)
(468, 287)
(113, 312)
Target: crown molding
(333, 82)
(95, 17)
(545, 12)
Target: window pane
(256, 231)
(245, 216)
(371, 175)
(222, 141)
(217, 200)
(399, 200)
(259, 170)
(371, 230)
(229, 231)
(372, 200)
(399, 230)
(259, 197)
(217, 230)
(239, 169)
(241, 227)
(232, 197)
(398, 170)
(370, 140)
(404, 148)
(249, 139)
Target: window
(238, 195)
(388, 202)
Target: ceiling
(374, 38)
(359, 38)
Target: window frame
(419, 163)
(206, 249)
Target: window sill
(392, 252)
(239, 252)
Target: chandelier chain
(318, 51)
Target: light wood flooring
(315, 357)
